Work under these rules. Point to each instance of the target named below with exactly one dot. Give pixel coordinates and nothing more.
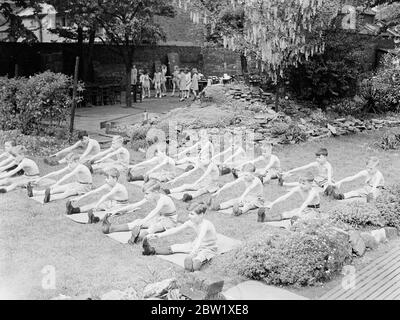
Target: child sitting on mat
(161, 218)
(251, 198)
(309, 194)
(11, 179)
(116, 157)
(159, 161)
(116, 196)
(7, 156)
(207, 183)
(374, 183)
(90, 146)
(271, 170)
(200, 251)
(81, 185)
(324, 178)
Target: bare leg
(66, 194)
(228, 204)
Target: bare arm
(131, 207)
(198, 241)
(253, 185)
(170, 232)
(69, 149)
(307, 202)
(106, 197)
(352, 178)
(6, 162)
(153, 213)
(144, 163)
(308, 166)
(109, 155)
(284, 197)
(12, 172)
(158, 166)
(228, 185)
(67, 176)
(101, 154)
(103, 187)
(53, 174)
(87, 151)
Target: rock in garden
(369, 240)
(128, 294)
(391, 233)
(379, 235)
(357, 243)
(332, 129)
(160, 288)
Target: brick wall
(218, 61)
(181, 31)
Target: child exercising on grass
(374, 183)
(200, 251)
(307, 191)
(116, 196)
(161, 218)
(74, 170)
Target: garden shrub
(36, 145)
(382, 90)
(389, 141)
(307, 255)
(35, 103)
(332, 75)
(357, 214)
(388, 204)
(348, 106)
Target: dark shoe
(92, 219)
(3, 191)
(148, 250)
(29, 189)
(189, 168)
(261, 215)
(237, 211)
(294, 219)
(47, 196)
(135, 235)
(188, 264)
(89, 166)
(338, 196)
(329, 191)
(106, 225)
(166, 191)
(280, 179)
(146, 178)
(187, 197)
(235, 174)
(129, 176)
(224, 171)
(71, 209)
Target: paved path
(90, 118)
(380, 280)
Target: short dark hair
(308, 176)
(82, 134)
(322, 152)
(198, 208)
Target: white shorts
(210, 187)
(253, 201)
(203, 255)
(112, 204)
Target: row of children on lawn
(16, 170)
(183, 81)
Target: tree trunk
(128, 56)
(243, 62)
(80, 48)
(88, 65)
(278, 93)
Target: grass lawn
(33, 236)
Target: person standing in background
(164, 71)
(134, 78)
(175, 81)
(195, 83)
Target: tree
(82, 16)
(16, 31)
(130, 23)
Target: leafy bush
(36, 145)
(388, 204)
(357, 214)
(382, 91)
(307, 255)
(348, 107)
(333, 74)
(31, 105)
(389, 141)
